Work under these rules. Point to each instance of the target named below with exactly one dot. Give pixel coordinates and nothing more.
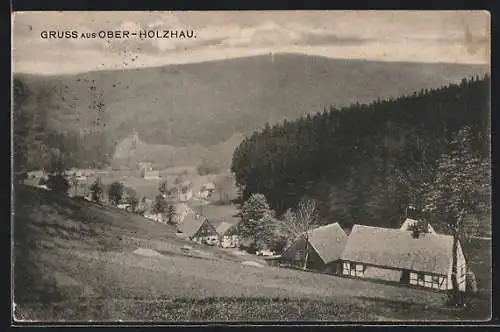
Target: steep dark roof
(328, 242)
(398, 249)
(191, 224)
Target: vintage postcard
(253, 166)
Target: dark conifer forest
(363, 163)
(37, 144)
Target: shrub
(115, 192)
(96, 190)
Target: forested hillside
(195, 110)
(38, 143)
(365, 163)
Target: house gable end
(315, 255)
(289, 250)
(299, 245)
(205, 229)
(328, 241)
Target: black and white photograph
(194, 167)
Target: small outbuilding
(322, 246)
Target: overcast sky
(417, 36)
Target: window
(426, 280)
(461, 278)
(436, 280)
(353, 269)
(413, 278)
(359, 270)
(347, 268)
(300, 255)
(417, 279)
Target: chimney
(415, 231)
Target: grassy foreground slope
(75, 261)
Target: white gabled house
(227, 235)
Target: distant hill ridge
(199, 105)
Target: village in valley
(313, 181)
(413, 255)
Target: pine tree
(115, 192)
(141, 206)
(163, 188)
(460, 189)
(461, 186)
(29, 128)
(170, 213)
(133, 202)
(255, 219)
(97, 189)
(160, 204)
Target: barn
(396, 255)
(326, 244)
(197, 228)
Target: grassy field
(75, 261)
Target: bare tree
(300, 222)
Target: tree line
(366, 163)
(39, 145)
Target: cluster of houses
(422, 258)
(399, 256)
(183, 191)
(147, 171)
(76, 177)
(209, 230)
(206, 190)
